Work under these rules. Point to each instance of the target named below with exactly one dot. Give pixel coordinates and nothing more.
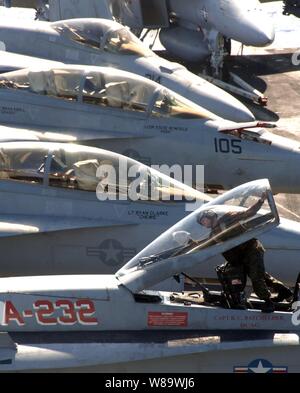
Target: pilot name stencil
(148, 215)
(249, 322)
(166, 129)
(9, 110)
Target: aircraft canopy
(103, 35)
(229, 220)
(109, 175)
(104, 87)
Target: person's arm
(255, 208)
(232, 217)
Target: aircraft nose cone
(234, 110)
(266, 36)
(260, 32)
(220, 103)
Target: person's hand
(263, 197)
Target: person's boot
(284, 293)
(268, 307)
(239, 301)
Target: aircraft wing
(36, 353)
(25, 225)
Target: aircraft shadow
(260, 71)
(266, 64)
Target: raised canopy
(227, 221)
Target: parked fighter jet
(190, 30)
(51, 221)
(53, 202)
(101, 304)
(12, 61)
(107, 43)
(137, 117)
(245, 23)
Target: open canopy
(225, 222)
(103, 87)
(109, 175)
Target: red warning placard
(168, 319)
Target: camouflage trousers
(248, 260)
(254, 266)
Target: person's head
(207, 218)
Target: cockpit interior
(109, 175)
(110, 89)
(100, 36)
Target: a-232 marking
(81, 311)
(224, 145)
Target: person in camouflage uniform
(249, 255)
(291, 7)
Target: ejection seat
(117, 94)
(85, 174)
(37, 81)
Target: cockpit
(231, 218)
(101, 35)
(106, 88)
(109, 175)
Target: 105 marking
(224, 145)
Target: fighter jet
(245, 23)
(195, 29)
(134, 116)
(52, 221)
(12, 61)
(65, 202)
(81, 314)
(191, 30)
(107, 43)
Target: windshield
(170, 104)
(15, 80)
(123, 42)
(89, 34)
(24, 164)
(59, 83)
